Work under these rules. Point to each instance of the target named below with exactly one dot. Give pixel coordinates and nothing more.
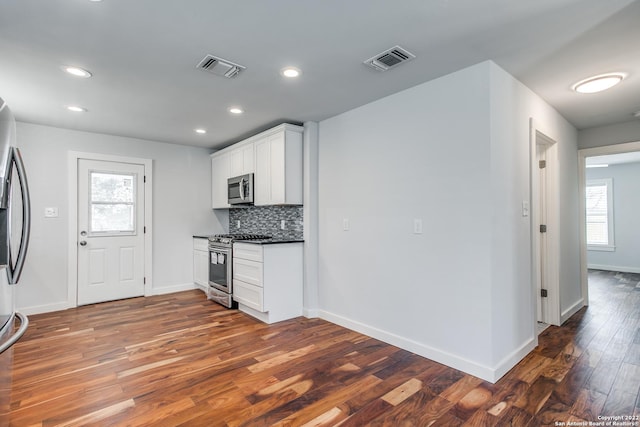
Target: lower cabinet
(201, 263)
(267, 280)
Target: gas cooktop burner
(227, 238)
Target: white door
(110, 231)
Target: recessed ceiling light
(77, 71)
(598, 83)
(600, 165)
(76, 109)
(201, 131)
(636, 114)
(236, 110)
(290, 72)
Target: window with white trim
(599, 203)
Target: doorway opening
(603, 203)
(545, 226)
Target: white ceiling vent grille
(220, 67)
(389, 59)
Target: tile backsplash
(267, 220)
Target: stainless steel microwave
(240, 189)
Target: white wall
(181, 208)
(626, 205)
(513, 316)
(454, 153)
(609, 135)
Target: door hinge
(144, 178)
(543, 293)
(542, 164)
(144, 281)
(543, 228)
(144, 230)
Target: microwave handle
(241, 188)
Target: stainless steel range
(221, 266)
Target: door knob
(83, 233)
(83, 243)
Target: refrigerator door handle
(24, 323)
(14, 272)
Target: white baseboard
(174, 288)
(621, 269)
(571, 310)
(484, 372)
(512, 360)
(45, 308)
(48, 308)
(310, 313)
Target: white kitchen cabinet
(201, 263)
(278, 166)
(220, 169)
(242, 160)
(267, 280)
(274, 156)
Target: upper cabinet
(278, 175)
(242, 160)
(275, 158)
(220, 169)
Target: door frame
(552, 252)
(73, 158)
(582, 186)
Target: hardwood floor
(182, 360)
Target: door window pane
(112, 207)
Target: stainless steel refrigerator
(15, 224)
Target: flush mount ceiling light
(201, 131)
(77, 71)
(599, 165)
(290, 72)
(76, 109)
(236, 110)
(598, 83)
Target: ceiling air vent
(389, 59)
(220, 67)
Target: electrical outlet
(345, 224)
(238, 224)
(525, 208)
(282, 225)
(417, 226)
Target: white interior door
(110, 230)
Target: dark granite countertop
(202, 236)
(271, 241)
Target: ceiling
(143, 56)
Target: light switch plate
(525, 208)
(345, 224)
(50, 212)
(238, 224)
(283, 224)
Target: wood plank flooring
(180, 360)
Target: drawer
(200, 244)
(247, 251)
(247, 271)
(249, 295)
